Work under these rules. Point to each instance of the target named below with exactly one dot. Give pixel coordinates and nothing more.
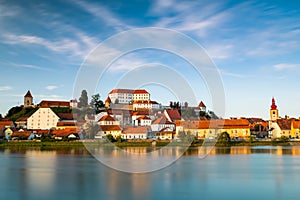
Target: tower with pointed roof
(202, 106)
(28, 100)
(273, 111)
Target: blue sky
(254, 44)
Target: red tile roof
(136, 130)
(140, 91)
(67, 116)
(110, 128)
(121, 91)
(214, 124)
(173, 114)
(22, 119)
(66, 124)
(21, 134)
(28, 94)
(296, 124)
(47, 104)
(284, 124)
(6, 122)
(107, 118)
(162, 120)
(64, 132)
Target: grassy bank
(80, 144)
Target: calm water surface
(227, 173)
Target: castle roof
(140, 92)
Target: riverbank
(82, 144)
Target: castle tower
(28, 100)
(273, 111)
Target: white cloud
(51, 87)
(285, 66)
(5, 88)
(196, 17)
(104, 14)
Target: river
(226, 173)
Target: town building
(108, 125)
(43, 118)
(141, 132)
(236, 128)
(121, 96)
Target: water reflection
(248, 172)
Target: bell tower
(28, 100)
(273, 111)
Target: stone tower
(28, 100)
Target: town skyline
(254, 44)
(34, 102)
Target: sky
(254, 45)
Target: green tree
(83, 99)
(110, 138)
(96, 103)
(1, 116)
(188, 113)
(224, 138)
(186, 137)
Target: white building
(141, 132)
(160, 123)
(145, 105)
(141, 95)
(128, 96)
(43, 118)
(121, 96)
(142, 121)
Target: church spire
(273, 106)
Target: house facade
(236, 128)
(43, 118)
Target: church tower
(273, 111)
(28, 100)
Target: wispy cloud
(5, 88)
(29, 66)
(236, 75)
(51, 87)
(104, 14)
(285, 66)
(188, 18)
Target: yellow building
(213, 128)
